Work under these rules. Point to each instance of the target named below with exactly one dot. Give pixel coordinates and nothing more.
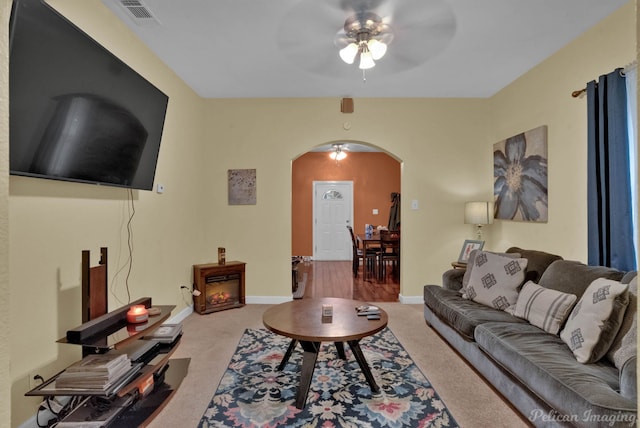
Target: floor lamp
(478, 213)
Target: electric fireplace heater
(222, 292)
(221, 287)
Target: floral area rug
(252, 393)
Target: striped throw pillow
(543, 307)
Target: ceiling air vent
(139, 12)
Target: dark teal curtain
(610, 224)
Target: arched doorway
(375, 175)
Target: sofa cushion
(625, 345)
(595, 320)
(494, 279)
(545, 364)
(574, 277)
(538, 262)
(543, 307)
(460, 314)
(452, 279)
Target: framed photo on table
(468, 246)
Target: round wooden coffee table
(302, 321)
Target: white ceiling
(284, 48)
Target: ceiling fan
(313, 33)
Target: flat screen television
(77, 112)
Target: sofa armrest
(452, 279)
(628, 385)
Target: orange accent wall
(375, 176)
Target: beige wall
(52, 222)
(439, 169)
(444, 145)
(543, 97)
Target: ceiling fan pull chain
(364, 77)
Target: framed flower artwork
(520, 177)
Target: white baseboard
(180, 316)
(411, 300)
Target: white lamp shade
(377, 48)
(349, 52)
(478, 212)
(366, 61)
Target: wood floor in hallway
(335, 279)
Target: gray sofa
(535, 370)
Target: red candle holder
(137, 314)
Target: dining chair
(389, 253)
(357, 253)
(369, 256)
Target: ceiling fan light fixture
(366, 60)
(337, 154)
(349, 52)
(367, 37)
(377, 48)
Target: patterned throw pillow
(543, 307)
(470, 263)
(595, 320)
(494, 280)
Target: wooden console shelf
(111, 332)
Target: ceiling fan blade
(421, 30)
(359, 6)
(341, 39)
(308, 34)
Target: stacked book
(166, 333)
(94, 372)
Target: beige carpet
(210, 340)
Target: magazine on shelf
(367, 310)
(94, 372)
(166, 333)
(97, 387)
(99, 363)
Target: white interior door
(332, 212)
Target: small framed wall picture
(242, 186)
(468, 246)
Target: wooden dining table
(371, 242)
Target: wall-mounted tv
(77, 112)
